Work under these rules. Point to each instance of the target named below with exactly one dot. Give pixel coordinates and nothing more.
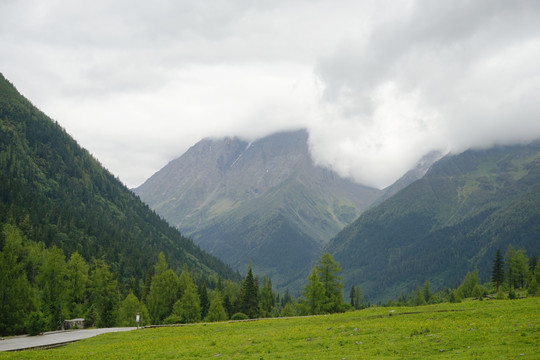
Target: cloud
(442, 75)
(377, 83)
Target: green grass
(474, 329)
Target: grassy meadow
(489, 329)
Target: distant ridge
(445, 224)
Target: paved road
(53, 338)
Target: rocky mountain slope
(264, 202)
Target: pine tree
(104, 294)
(497, 272)
(188, 308)
(249, 299)
(519, 265)
(53, 286)
(470, 286)
(267, 300)
(147, 283)
(358, 298)
(314, 294)
(128, 310)
(205, 302)
(163, 291)
(327, 270)
(16, 300)
(77, 282)
(216, 312)
(427, 293)
(352, 296)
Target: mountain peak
(235, 198)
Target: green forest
(41, 288)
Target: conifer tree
(216, 312)
(16, 299)
(267, 301)
(53, 286)
(205, 302)
(249, 299)
(188, 308)
(129, 308)
(358, 298)
(163, 291)
(497, 272)
(518, 265)
(77, 283)
(352, 296)
(427, 293)
(104, 294)
(327, 271)
(314, 294)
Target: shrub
(500, 294)
(36, 323)
(173, 319)
(239, 316)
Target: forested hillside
(58, 195)
(56, 192)
(447, 223)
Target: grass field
(505, 329)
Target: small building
(73, 324)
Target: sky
(377, 84)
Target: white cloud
(376, 83)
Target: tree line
(40, 288)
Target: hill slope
(56, 192)
(445, 224)
(263, 201)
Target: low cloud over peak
(377, 84)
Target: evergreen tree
(267, 301)
(286, 299)
(163, 294)
(53, 285)
(188, 308)
(205, 302)
(16, 300)
(327, 271)
(358, 298)
(147, 283)
(77, 282)
(216, 312)
(161, 265)
(104, 294)
(470, 286)
(509, 269)
(532, 290)
(497, 272)
(230, 299)
(417, 297)
(518, 266)
(427, 293)
(314, 294)
(352, 296)
(249, 299)
(129, 308)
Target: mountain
(447, 223)
(58, 194)
(263, 201)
